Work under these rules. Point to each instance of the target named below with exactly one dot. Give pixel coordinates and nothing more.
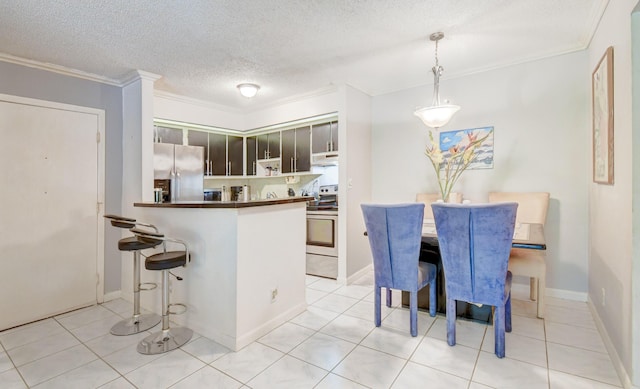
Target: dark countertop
(226, 204)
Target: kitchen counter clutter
(247, 269)
(226, 204)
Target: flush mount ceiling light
(437, 115)
(248, 90)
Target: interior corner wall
(34, 83)
(611, 213)
(539, 113)
(357, 180)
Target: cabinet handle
(291, 165)
(229, 168)
(254, 168)
(328, 146)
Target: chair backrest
(428, 198)
(475, 242)
(395, 235)
(532, 206)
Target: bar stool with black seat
(138, 322)
(169, 338)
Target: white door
(50, 184)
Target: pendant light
(437, 115)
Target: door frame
(100, 145)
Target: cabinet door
(334, 136)
(252, 152)
(303, 149)
(218, 154)
(321, 138)
(274, 144)
(288, 151)
(263, 146)
(168, 135)
(235, 147)
(200, 138)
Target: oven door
(322, 233)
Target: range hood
(324, 159)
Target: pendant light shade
(437, 115)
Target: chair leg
(377, 310)
(413, 312)
(499, 327)
(541, 289)
(432, 298)
(389, 297)
(533, 288)
(507, 314)
(451, 322)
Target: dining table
(525, 236)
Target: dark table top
(526, 235)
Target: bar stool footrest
(179, 312)
(148, 286)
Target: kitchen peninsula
(247, 269)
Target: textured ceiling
(204, 48)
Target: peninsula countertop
(226, 204)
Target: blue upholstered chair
(395, 233)
(475, 242)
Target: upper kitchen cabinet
(200, 138)
(296, 150)
(269, 145)
(218, 154)
(226, 154)
(252, 155)
(167, 135)
(235, 155)
(324, 138)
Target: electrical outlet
(604, 301)
(274, 294)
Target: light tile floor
(334, 344)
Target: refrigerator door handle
(178, 185)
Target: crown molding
(139, 75)
(59, 69)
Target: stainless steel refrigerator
(184, 166)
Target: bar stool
(168, 338)
(137, 323)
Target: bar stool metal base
(165, 340)
(130, 326)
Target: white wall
(355, 180)
(610, 206)
(539, 111)
(179, 108)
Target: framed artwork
(602, 110)
(455, 140)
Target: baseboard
(248, 337)
(550, 292)
(613, 353)
(359, 273)
(112, 295)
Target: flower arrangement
(450, 167)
